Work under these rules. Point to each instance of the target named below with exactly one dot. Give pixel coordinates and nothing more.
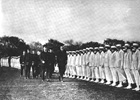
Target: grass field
(14, 87)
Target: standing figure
(28, 64)
(97, 62)
(62, 61)
(44, 61)
(113, 66)
(51, 62)
(119, 65)
(127, 65)
(135, 64)
(101, 67)
(34, 59)
(22, 62)
(108, 74)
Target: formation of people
(42, 63)
(111, 65)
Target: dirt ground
(14, 87)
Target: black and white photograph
(69, 49)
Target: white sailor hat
(113, 47)
(101, 47)
(135, 44)
(87, 49)
(96, 48)
(107, 45)
(126, 45)
(118, 45)
(90, 48)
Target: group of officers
(112, 65)
(42, 63)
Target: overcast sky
(81, 20)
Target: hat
(96, 48)
(126, 45)
(101, 47)
(113, 47)
(118, 45)
(135, 44)
(107, 45)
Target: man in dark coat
(22, 62)
(44, 61)
(62, 61)
(51, 61)
(39, 64)
(35, 61)
(28, 62)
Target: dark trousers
(27, 70)
(62, 68)
(51, 69)
(43, 70)
(22, 70)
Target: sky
(80, 20)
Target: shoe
(114, 84)
(102, 81)
(91, 80)
(128, 87)
(108, 83)
(136, 89)
(96, 81)
(120, 85)
(88, 79)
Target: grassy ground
(13, 87)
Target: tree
(11, 46)
(53, 44)
(36, 46)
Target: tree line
(14, 46)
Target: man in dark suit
(35, 61)
(62, 61)
(22, 62)
(28, 64)
(44, 61)
(51, 61)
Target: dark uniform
(50, 68)
(22, 64)
(44, 58)
(62, 61)
(35, 62)
(28, 62)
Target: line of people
(42, 63)
(112, 65)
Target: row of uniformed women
(106, 65)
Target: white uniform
(119, 65)
(87, 65)
(73, 64)
(77, 64)
(113, 67)
(101, 69)
(70, 64)
(106, 66)
(134, 67)
(91, 64)
(97, 62)
(127, 66)
(82, 65)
